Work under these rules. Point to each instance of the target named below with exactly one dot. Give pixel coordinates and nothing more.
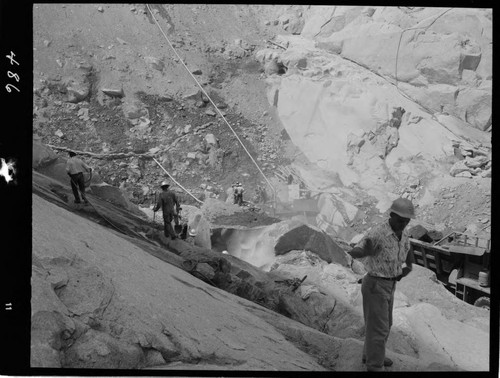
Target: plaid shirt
(391, 253)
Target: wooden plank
(459, 290)
(467, 250)
(439, 268)
(429, 247)
(467, 282)
(424, 256)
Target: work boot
(387, 361)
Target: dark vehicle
(461, 262)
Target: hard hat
(164, 183)
(403, 207)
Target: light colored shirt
(75, 165)
(391, 252)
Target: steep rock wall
(423, 50)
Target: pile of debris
(473, 160)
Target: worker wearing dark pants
(385, 249)
(378, 301)
(75, 168)
(168, 202)
(238, 194)
(78, 183)
(168, 230)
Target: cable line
(187, 191)
(215, 106)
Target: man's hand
(406, 271)
(369, 248)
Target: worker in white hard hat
(388, 257)
(168, 202)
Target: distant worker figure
(170, 206)
(386, 247)
(75, 168)
(238, 194)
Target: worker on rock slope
(385, 249)
(170, 206)
(75, 168)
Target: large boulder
(318, 242)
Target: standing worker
(75, 168)
(238, 194)
(170, 206)
(386, 247)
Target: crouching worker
(75, 168)
(385, 248)
(170, 206)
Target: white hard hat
(403, 207)
(164, 183)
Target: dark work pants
(238, 199)
(168, 230)
(78, 182)
(378, 301)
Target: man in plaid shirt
(384, 250)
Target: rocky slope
(351, 105)
(102, 299)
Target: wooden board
(466, 250)
(473, 284)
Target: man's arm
(410, 259)
(67, 166)
(177, 203)
(84, 165)
(158, 204)
(369, 249)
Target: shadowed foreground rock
(101, 301)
